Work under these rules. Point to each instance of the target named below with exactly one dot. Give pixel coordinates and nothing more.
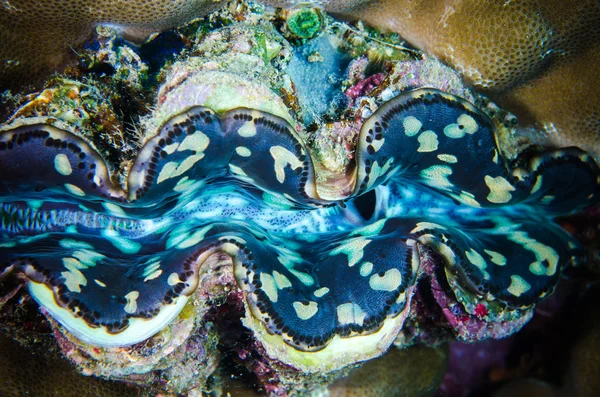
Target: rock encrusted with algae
(233, 198)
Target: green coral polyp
(305, 23)
(115, 265)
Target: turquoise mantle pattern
(115, 265)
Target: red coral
(364, 86)
(480, 310)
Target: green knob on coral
(305, 23)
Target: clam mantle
(320, 279)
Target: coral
(517, 51)
(492, 44)
(39, 38)
(303, 23)
(571, 115)
(389, 376)
(496, 46)
(44, 374)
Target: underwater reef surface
(536, 58)
(279, 192)
(38, 373)
(517, 51)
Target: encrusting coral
(561, 108)
(25, 373)
(495, 45)
(538, 58)
(390, 376)
(37, 38)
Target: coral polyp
(304, 23)
(230, 200)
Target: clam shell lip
(319, 280)
(138, 330)
(220, 91)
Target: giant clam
(226, 197)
